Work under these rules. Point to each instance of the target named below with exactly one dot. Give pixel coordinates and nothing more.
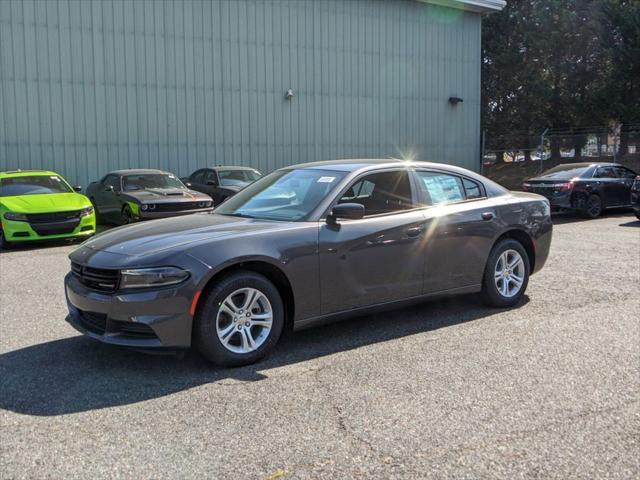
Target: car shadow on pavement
(633, 223)
(78, 374)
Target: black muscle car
(126, 196)
(304, 245)
(589, 188)
(221, 183)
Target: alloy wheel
(244, 320)
(594, 206)
(509, 273)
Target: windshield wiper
(238, 214)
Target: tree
(560, 64)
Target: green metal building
(88, 86)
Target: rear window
(565, 171)
(33, 185)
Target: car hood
(149, 238)
(167, 194)
(45, 203)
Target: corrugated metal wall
(90, 86)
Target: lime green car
(40, 205)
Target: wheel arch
(525, 240)
(273, 273)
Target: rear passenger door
(460, 228)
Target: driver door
(108, 203)
(378, 258)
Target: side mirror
(350, 211)
(187, 184)
(77, 188)
(212, 183)
(108, 188)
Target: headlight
(201, 204)
(152, 277)
(209, 203)
(86, 211)
(16, 217)
(144, 206)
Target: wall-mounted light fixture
(455, 100)
(289, 94)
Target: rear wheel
(593, 206)
(506, 275)
(239, 320)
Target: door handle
(487, 216)
(414, 232)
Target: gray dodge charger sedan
(304, 245)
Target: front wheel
(4, 245)
(239, 320)
(506, 275)
(127, 215)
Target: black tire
(490, 292)
(205, 333)
(127, 215)
(593, 206)
(4, 245)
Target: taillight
(525, 187)
(564, 187)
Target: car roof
(363, 164)
(588, 164)
(228, 167)
(139, 171)
(26, 173)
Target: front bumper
(24, 232)
(141, 319)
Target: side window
(625, 173)
(114, 181)
(379, 193)
(197, 177)
(208, 175)
(605, 172)
(440, 188)
(472, 189)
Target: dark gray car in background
(221, 182)
(304, 245)
(126, 196)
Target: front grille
(58, 223)
(100, 324)
(94, 322)
(101, 279)
(132, 329)
(44, 229)
(176, 206)
(35, 218)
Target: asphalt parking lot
(445, 389)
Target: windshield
(565, 171)
(230, 178)
(283, 195)
(33, 185)
(151, 180)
